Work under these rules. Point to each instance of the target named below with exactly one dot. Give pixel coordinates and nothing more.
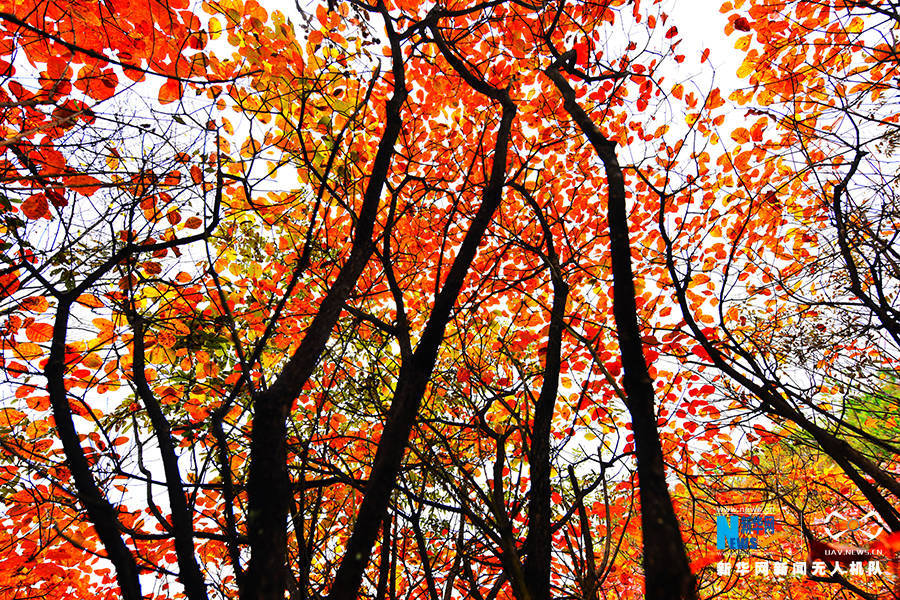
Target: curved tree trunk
(666, 568)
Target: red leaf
(58, 200)
(742, 24)
(83, 184)
(9, 283)
(35, 207)
(701, 352)
(98, 84)
(153, 268)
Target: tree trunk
(667, 571)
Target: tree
(852, 263)
(796, 262)
(330, 316)
(56, 144)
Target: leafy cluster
(442, 300)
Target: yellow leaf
(215, 28)
(10, 417)
(27, 351)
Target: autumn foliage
(446, 300)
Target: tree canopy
(432, 300)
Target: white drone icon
(853, 525)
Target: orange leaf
(38, 402)
(92, 361)
(152, 267)
(90, 300)
(83, 184)
(36, 304)
(39, 332)
(165, 339)
(170, 91)
(9, 283)
(105, 326)
(11, 416)
(172, 178)
(193, 223)
(741, 135)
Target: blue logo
(742, 532)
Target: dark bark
(298, 516)
(269, 489)
(666, 568)
(182, 519)
(101, 513)
(589, 575)
(886, 314)
(223, 457)
(384, 566)
(538, 542)
(415, 374)
(424, 557)
(509, 551)
(772, 401)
